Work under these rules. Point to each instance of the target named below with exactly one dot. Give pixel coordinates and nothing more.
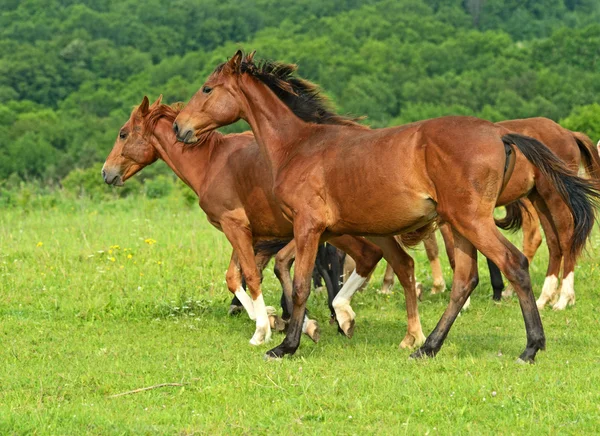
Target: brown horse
(234, 185)
(347, 179)
(573, 148)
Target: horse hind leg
(555, 253)
(482, 234)
(388, 280)
(403, 266)
(432, 250)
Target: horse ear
(250, 57)
(235, 63)
(143, 108)
(157, 102)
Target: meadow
(99, 298)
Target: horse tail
(513, 220)
(581, 196)
(589, 155)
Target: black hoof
(235, 310)
(277, 353)
(422, 353)
(528, 356)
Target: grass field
(101, 298)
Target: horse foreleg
(432, 250)
(307, 234)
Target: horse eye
(206, 90)
(123, 135)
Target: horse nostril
(175, 128)
(104, 174)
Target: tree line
(70, 71)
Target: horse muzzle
(112, 177)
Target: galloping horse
(234, 185)
(344, 178)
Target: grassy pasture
(101, 298)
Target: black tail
(513, 220)
(589, 155)
(270, 247)
(580, 195)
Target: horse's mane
(301, 96)
(160, 111)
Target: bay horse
(235, 189)
(575, 149)
(344, 178)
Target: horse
(344, 178)
(234, 187)
(574, 148)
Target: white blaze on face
(263, 327)
(246, 302)
(341, 302)
(548, 291)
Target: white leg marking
(310, 327)
(567, 293)
(263, 327)
(550, 287)
(341, 303)
(246, 302)
(467, 304)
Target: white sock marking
(246, 302)
(341, 302)
(263, 327)
(567, 292)
(548, 290)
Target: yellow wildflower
(112, 259)
(129, 256)
(150, 241)
(39, 244)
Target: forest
(70, 71)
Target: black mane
(301, 96)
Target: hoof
(313, 331)
(235, 310)
(438, 288)
(260, 337)
(412, 341)
(563, 303)
(419, 289)
(386, 290)
(276, 323)
(348, 328)
(508, 292)
(278, 353)
(421, 353)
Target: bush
(86, 182)
(159, 187)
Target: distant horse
(343, 178)
(234, 186)
(574, 148)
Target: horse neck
(274, 124)
(190, 164)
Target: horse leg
(555, 253)
(233, 278)
(481, 234)
(432, 250)
(238, 233)
(388, 280)
(496, 279)
(404, 267)
(307, 233)
(532, 238)
(366, 256)
(464, 281)
(446, 232)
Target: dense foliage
(71, 70)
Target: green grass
(77, 327)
